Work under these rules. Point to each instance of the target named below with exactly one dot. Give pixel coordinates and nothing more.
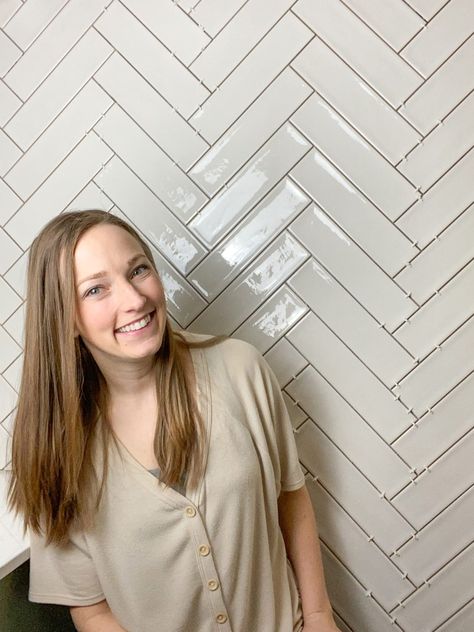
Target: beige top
(213, 560)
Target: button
(204, 549)
(190, 511)
(221, 617)
(213, 584)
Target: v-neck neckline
(201, 372)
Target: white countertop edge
(16, 561)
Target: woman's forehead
(101, 246)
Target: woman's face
(127, 291)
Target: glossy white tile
(349, 431)
(228, 46)
(150, 163)
(430, 215)
(440, 315)
(150, 111)
(442, 91)
(351, 267)
(171, 27)
(65, 81)
(442, 535)
(243, 296)
(442, 147)
(360, 47)
(250, 184)
(171, 238)
(32, 18)
(349, 208)
(396, 22)
(9, 202)
(436, 431)
(335, 306)
(256, 71)
(151, 59)
(272, 319)
(9, 54)
(69, 128)
(340, 532)
(9, 153)
(350, 377)
(353, 98)
(422, 611)
(250, 131)
(285, 361)
(64, 183)
(212, 15)
(446, 479)
(351, 153)
(442, 35)
(52, 44)
(350, 488)
(9, 103)
(441, 371)
(437, 263)
(277, 209)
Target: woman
(154, 468)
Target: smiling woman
(142, 452)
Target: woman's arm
(298, 526)
(95, 618)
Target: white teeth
(138, 325)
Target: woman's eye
(143, 265)
(96, 287)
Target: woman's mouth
(137, 327)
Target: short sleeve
(62, 575)
(282, 445)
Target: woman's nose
(130, 296)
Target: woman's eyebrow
(102, 273)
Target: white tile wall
(303, 173)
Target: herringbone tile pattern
(303, 170)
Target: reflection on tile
(150, 163)
(149, 215)
(250, 131)
(250, 184)
(273, 319)
(246, 293)
(258, 228)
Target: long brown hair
(63, 395)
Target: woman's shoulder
(233, 348)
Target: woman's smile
(138, 327)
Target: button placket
(199, 534)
